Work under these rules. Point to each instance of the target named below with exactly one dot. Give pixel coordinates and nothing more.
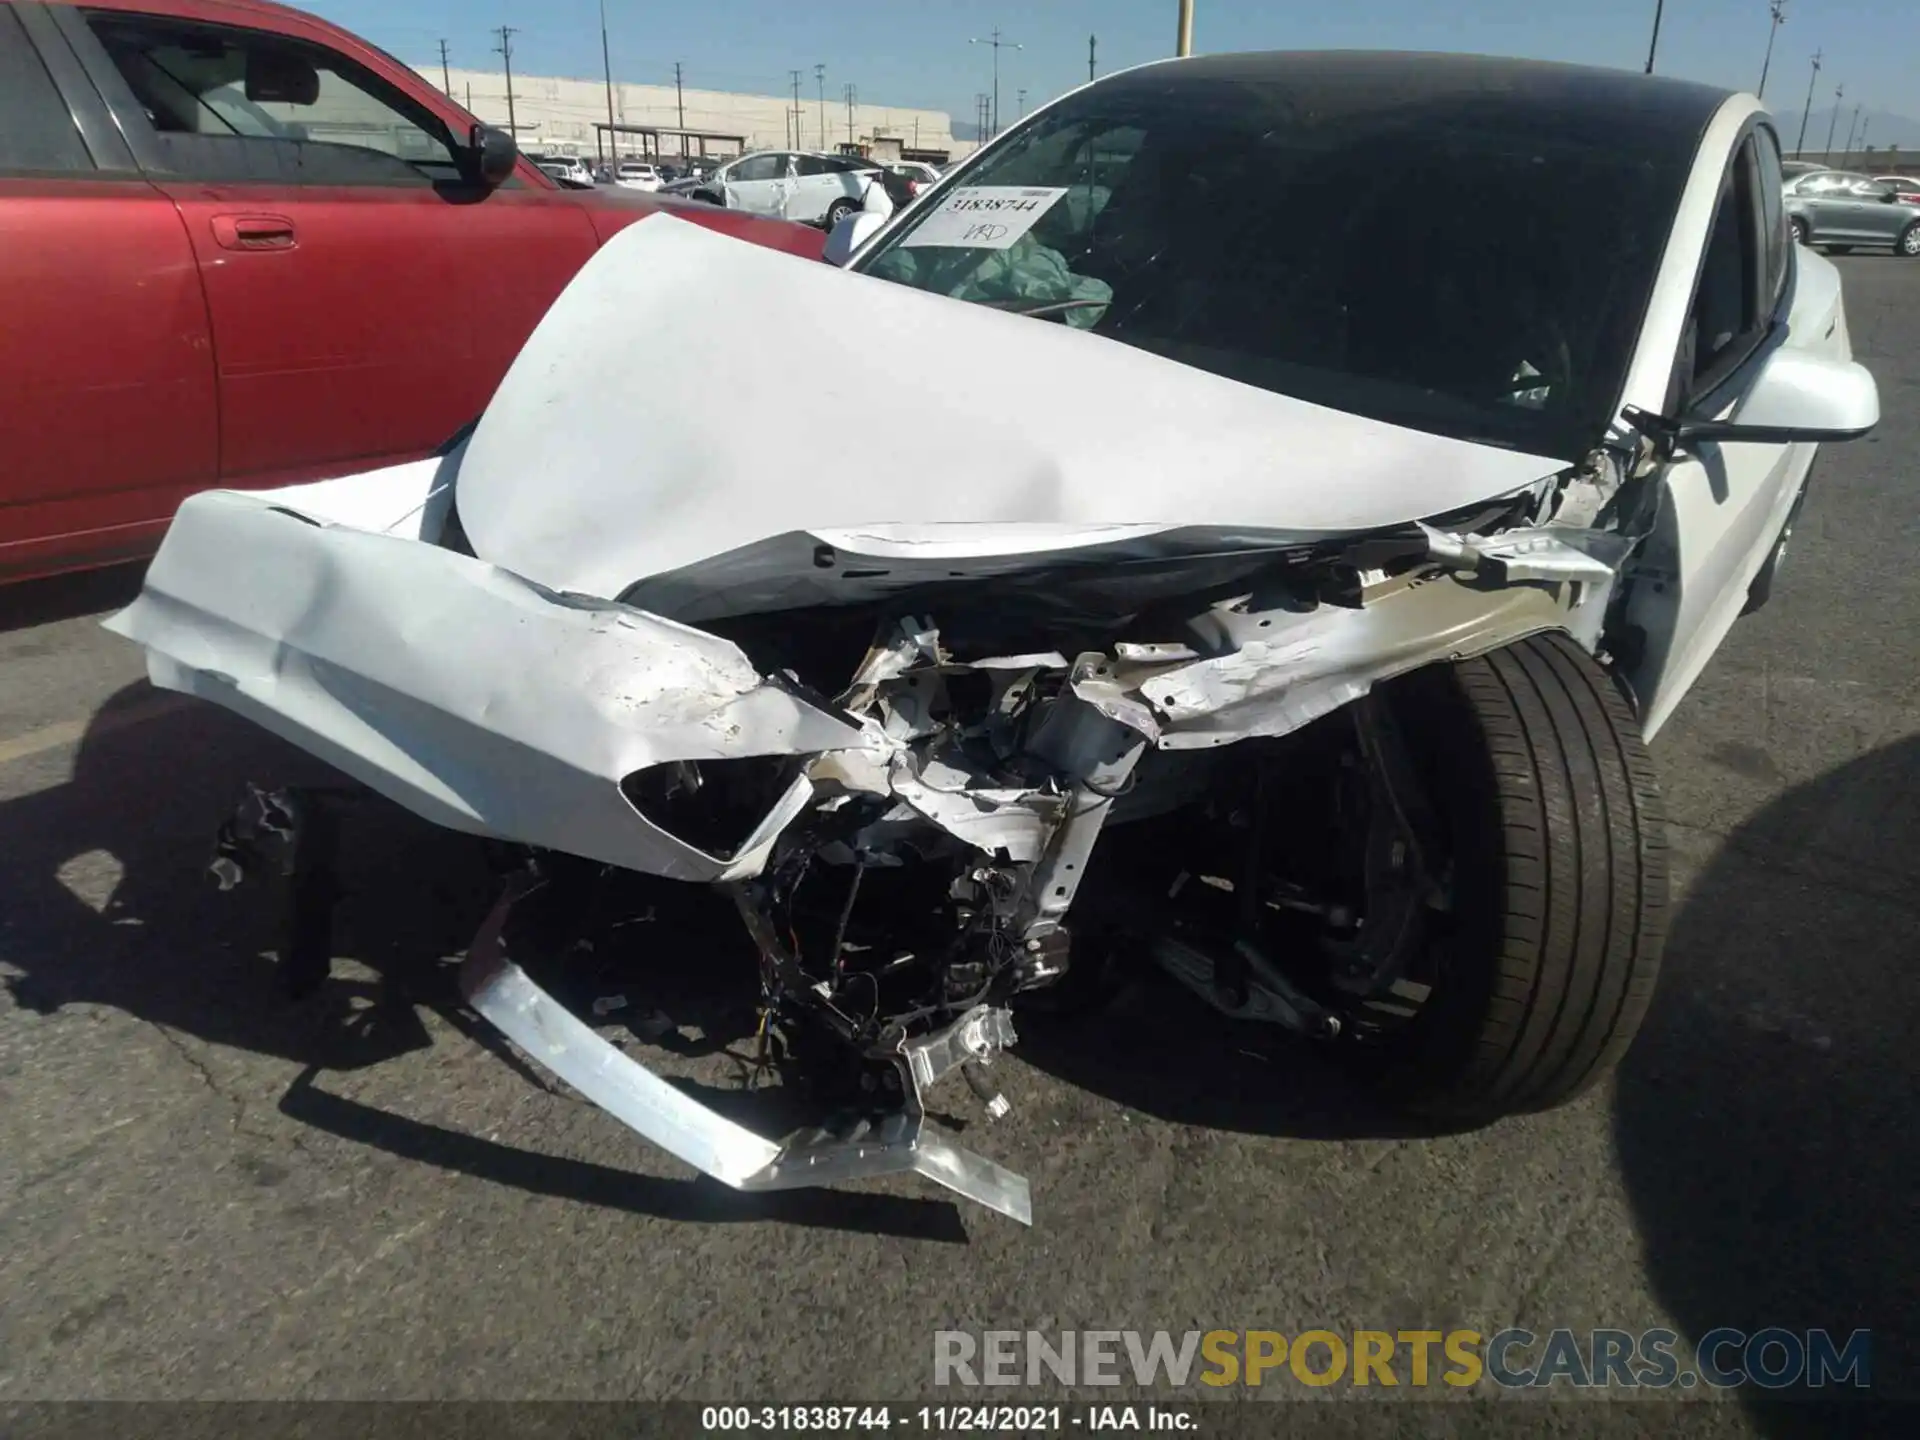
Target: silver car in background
(1842, 210)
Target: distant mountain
(1883, 129)
(965, 130)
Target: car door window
(232, 104)
(810, 166)
(1773, 212)
(755, 167)
(37, 133)
(1725, 323)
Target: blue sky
(915, 52)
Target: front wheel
(1543, 964)
(1798, 227)
(1909, 242)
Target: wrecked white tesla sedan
(1340, 465)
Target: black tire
(1798, 228)
(1546, 962)
(1909, 242)
(839, 210)
(1839, 249)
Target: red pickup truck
(239, 246)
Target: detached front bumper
(474, 698)
(897, 1144)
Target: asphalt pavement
(208, 1192)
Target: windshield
(1474, 265)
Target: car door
(752, 183)
(366, 291)
(817, 182)
(1879, 217)
(1722, 507)
(107, 408)
(1825, 203)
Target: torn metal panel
(366, 649)
(1290, 667)
(552, 1036)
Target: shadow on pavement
(66, 597)
(107, 902)
(1768, 1119)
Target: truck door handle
(253, 232)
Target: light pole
(505, 47)
(1839, 94)
(1020, 103)
(998, 45)
(606, 64)
(1850, 124)
(1658, 7)
(1777, 11)
(1183, 43)
(820, 74)
(1800, 144)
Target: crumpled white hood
(691, 395)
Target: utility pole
(1658, 7)
(797, 142)
(1092, 40)
(1850, 125)
(998, 45)
(1839, 94)
(820, 74)
(1020, 99)
(1800, 144)
(850, 95)
(505, 48)
(1184, 45)
(680, 103)
(1864, 149)
(1777, 10)
(606, 65)
(446, 80)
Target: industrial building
(552, 115)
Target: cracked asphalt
(207, 1192)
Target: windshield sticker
(984, 217)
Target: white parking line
(71, 732)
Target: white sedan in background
(793, 185)
(635, 175)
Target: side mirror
(494, 154)
(851, 233)
(1797, 398)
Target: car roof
(1343, 83)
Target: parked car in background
(200, 285)
(1843, 211)
(636, 175)
(569, 173)
(792, 185)
(1792, 168)
(1905, 188)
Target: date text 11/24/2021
(946, 1419)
